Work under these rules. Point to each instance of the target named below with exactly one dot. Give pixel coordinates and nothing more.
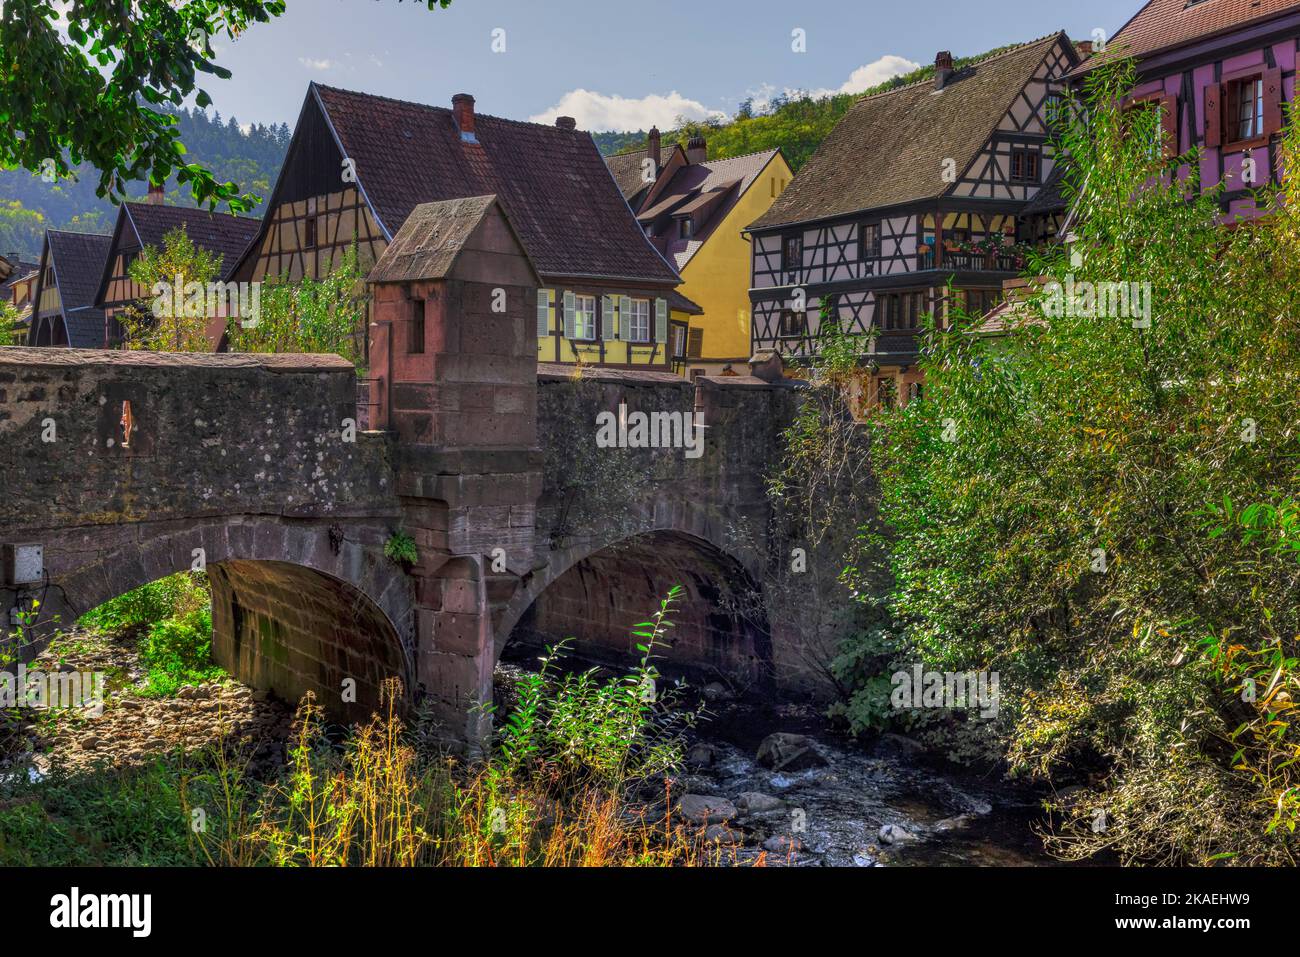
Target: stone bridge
(119, 468)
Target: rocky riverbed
(132, 728)
(777, 783)
(767, 782)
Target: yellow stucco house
(694, 210)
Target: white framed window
(584, 317)
(638, 320)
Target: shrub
(172, 597)
(178, 651)
(1052, 506)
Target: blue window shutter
(661, 320)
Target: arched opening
(720, 630)
(289, 629)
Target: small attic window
(685, 227)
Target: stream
(832, 814)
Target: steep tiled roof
(1170, 23)
(887, 149)
(713, 187)
(85, 328)
(562, 199)
(78, 264)
(626, 168)
(219, 233)
(17, 270)
(433, 236)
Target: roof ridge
(724, 159)
(986, 58)
(74, 232)
(190, 209)
(443, 109)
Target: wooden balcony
(969, 262)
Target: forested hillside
(796, 123)
(29, 206)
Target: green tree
(1083, 505)
(8, 323)
(326, 315)
(177, 317)
(87, 81)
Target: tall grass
(559, 788)
(563, 783)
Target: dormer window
(685, 228)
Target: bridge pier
(455, 366)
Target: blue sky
(617, 64)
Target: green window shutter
(661, 320)
(607, 324)
(570, 308)
(543, 313)
(625, 318)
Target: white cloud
(599, 112)
(312, 64)
(877, 72)
(863, 78)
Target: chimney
(462, 107)
(942, 69)
(697, 150)
(652, 144)
(566, 122)
(1084, 47)
(155, 194)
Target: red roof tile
(562, 198)
(1169, 23)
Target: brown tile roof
(1169, 23)
(219, 233)
(714, 187)
(433, 236)
(886, 150)
(626, 168)
(561, 196)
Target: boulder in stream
(706, 808)
(789, 752)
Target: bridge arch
(594, 592)
(297, 606)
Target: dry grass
(380, 802)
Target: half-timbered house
(695, 213)
(359, 164)
(64, 312)
(17, 283)
(915, 189)
(1221, 72)
(147, 224)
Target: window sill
(1241, 146)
